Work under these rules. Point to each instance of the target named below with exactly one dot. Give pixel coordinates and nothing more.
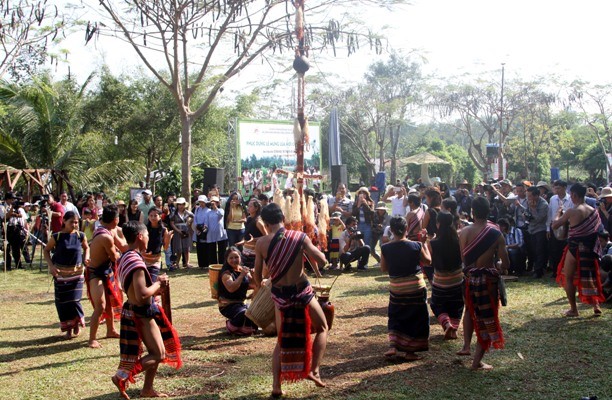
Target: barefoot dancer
(66, 266)
(579, 266)
(142, 321)
(447, 285)
(102, 288)
(283, 251)
(408, 315)
(480, 243)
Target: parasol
(423, 159)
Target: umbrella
(423, 159)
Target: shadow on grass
(54, 365)
(41, 303)
(195, 305)
(365, 291)
(29, 327)
(63, 347)
(380, 311)
(373, 330)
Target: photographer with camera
(352, 247)
(15, 218)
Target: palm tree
(42, 127)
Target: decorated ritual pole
(300, 64)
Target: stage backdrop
(262, 144)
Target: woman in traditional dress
(408, 315)
(447, 285)
(235, 217)
(71, 253)
(234, 281)
(253, 230)
(180, 222)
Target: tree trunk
(393, 169)
(185, 156)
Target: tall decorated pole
(301, 65)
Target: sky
(533, 38)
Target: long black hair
(447, 238)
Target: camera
(354, 233)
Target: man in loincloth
(482, 243)
(142, 320)
(579, 266)
(283, 251)
(102, 288)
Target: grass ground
(547, 356)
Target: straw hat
(363, 189)
(606, 192)
(214, 198)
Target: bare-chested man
(582, 244)
(283, 251)
(102, 287)
(142, 321)
(481, 245)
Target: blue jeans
(168, 253)
(234, 236)
(361, 254)
(366, 229)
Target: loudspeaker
(492, 150)
(338, 175)
(213, 176)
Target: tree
(44, 128)
(392, 89)
(26, 27)
(196, 34)
(595, 104)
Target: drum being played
(261, 310)
(213, 276)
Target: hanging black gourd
(301, 64)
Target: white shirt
(71, 207)
(553, 207)
(397, 206)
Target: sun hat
(381, 206)
(180, 200)
(202, 198)
(606, 192)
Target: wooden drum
(213, 276)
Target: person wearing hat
(200, 230)
(180, 222)
(15, 218)
(146, 204)
(380, 221)
(216, 237)
(604, 207)
(363, 211)
(557, 239)
(545, 191)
